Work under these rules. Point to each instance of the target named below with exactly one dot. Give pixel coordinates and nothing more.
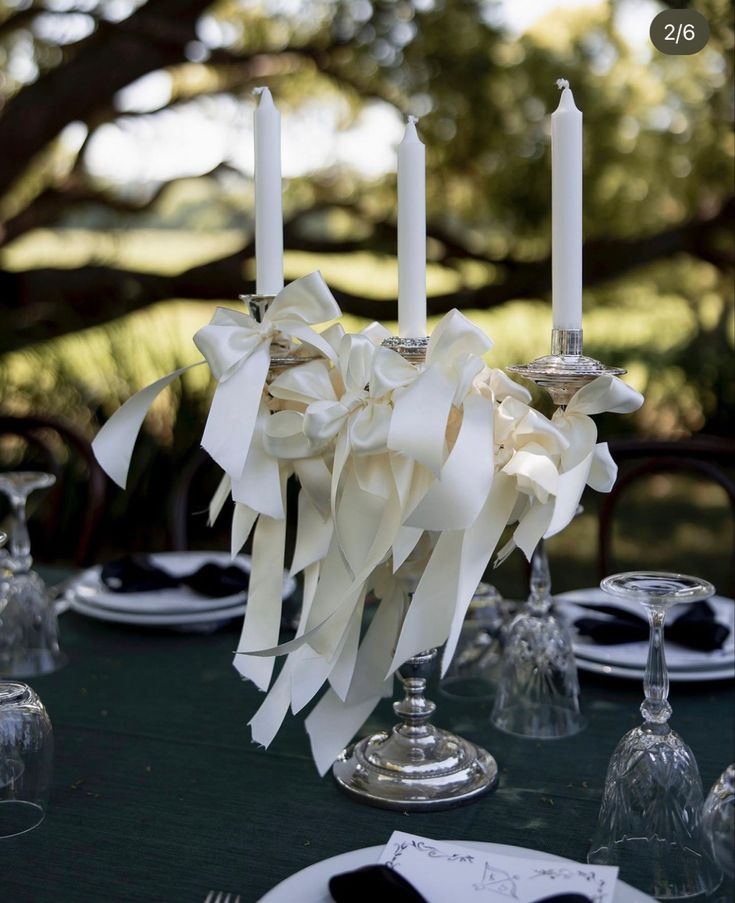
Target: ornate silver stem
(566, 369)
(415, 766)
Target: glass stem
(539, 600)
(20, 541)
(655, 708)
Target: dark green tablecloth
(159, 794)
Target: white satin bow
(554, 460)
(237, 349)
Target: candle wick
(562, 83)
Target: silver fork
(221, 897)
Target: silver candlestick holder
(566, 369)
(413, 350)
(284, 353)
(415, 766)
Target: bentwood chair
(195, 483)
(701, 464)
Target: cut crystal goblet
(650, 818)
(718, 820)
(29, 635)
(538, 693)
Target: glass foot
(658, 867)
(17, 817)
(415, 767)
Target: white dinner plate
(570, 606)
(311, 885)
(724, 673)
(174, 607)
(145, 619)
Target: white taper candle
(268, 206)
(566, 210)
(411, 234)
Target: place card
(446, 872)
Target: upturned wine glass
(26, 759)
(475, 667)
(718, 821)
(538, 693)
(26, 754)
(29, 635)
(650, 818)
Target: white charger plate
(311, 885)
(174, 607)
(632, 656)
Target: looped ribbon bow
(238, 350)
(554, 460)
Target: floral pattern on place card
(444, 872)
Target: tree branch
(46, 208)
(47, 302)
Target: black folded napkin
(370, 883)
(696, 628)
(138, 574)
(373, 881)
(565, 898)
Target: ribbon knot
(237, 350)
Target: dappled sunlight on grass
(368, 275)
(645, 322)
(165, 251)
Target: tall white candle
(268, 208)
(566, 209)
(411, 234)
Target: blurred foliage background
(126, 192)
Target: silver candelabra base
(416, 766)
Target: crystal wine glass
(718, 820)
(29, 635)
(650, 818)
(475, 667)
(26, 759)
(538, 693)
